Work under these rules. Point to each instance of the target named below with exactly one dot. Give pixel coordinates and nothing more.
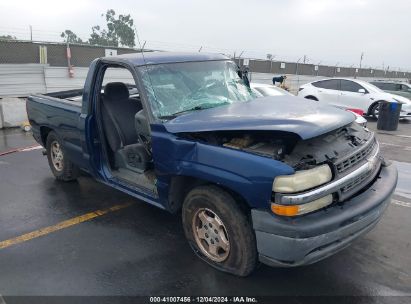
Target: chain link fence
(40, 67)
(55, 54)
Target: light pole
(359, 70)
(296, 73)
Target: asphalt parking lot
(141, 250)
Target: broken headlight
(302, 180)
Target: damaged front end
(350, 154)
(329, 168)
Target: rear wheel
(219, 231)
(60, 166)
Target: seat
(118, 112)
(118, 116)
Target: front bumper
(289, 242)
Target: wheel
(61, 167)
(311, 98)
(375, 109)
(218, 230)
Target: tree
(119, 31)
(9, 37)
(70, 37)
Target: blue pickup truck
(280, 180)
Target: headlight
(302, 180)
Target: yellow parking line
(61, 225)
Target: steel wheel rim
(211, 235)
(56, 156)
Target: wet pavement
(141, 250)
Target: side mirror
(362, 91)
(243, 74)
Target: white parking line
(408, 148)
(401, 203)
(23, 149)
(31, 148)
(398, 135)
(2, 300)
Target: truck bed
(73, 95)
(48, 112)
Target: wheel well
(311, 97)
(372, 105)
(180, 186)
(44, 132)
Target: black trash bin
(388, 116)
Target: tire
(374, 110)
(311, 98)
(60, 166)
(212, 202)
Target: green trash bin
(388, 116)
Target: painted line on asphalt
(62, 225)
(22, 149)
(397, 135)
(400, 203)
(2, 300)
(408, 148)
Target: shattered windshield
(176, 88)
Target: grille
(355, 158)
(355, 182)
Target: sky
(332, 32)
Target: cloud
(327, 30)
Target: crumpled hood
(304, 117)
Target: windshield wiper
(196, 108)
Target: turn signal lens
(293, 210)
(284, 210)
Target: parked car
(271, 90)
(399, 88)
(284, 181)
(352, 93)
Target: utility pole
(362, 56)
(296, 72)
(305, 58)
(31, 33)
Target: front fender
(249, 175)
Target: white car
(352, 93)
(268, 89)
(271, 90)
